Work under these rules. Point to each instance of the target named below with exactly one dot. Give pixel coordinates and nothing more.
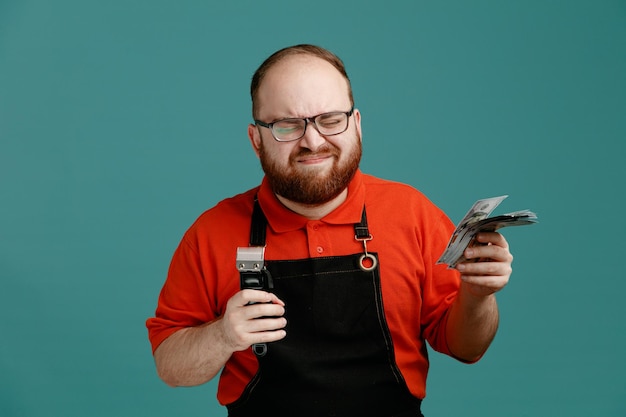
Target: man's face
(314, 169)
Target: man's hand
(253, 316)
(488, 268)
(473, 317)
(194, 355)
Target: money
(477, 220)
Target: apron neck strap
(360, 229)
(259, 225)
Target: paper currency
(475, 221)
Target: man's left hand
(488, 266)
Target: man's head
(304, 50)
(301, 82)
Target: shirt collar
(281, 219)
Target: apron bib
(337, 358)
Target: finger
(266, 330)
(266, 324)
(258, 310)
(493, 238)
(268, 336)
(485, 268)
(487, 283)
(243, 339)
(249, 296)
(488, 252)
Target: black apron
(337, 358)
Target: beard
(308, 186)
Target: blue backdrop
(121, 121)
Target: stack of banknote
(477, 220)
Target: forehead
(302, 85)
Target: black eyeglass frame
(307, 120)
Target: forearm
(192, 356)
(472, 324)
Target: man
(353, 291)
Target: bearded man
(349, 293)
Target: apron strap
(259, 225)
(360, 229)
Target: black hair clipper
(254, 275)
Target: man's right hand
(253, 316)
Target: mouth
(314, 159)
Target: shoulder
(237, 205)
(226, 217)
(397, 196)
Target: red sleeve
(183, 300)
(440, 284)
(202, 275)
(440, 292)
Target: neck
(314, 211)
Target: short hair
(302, 49)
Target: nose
(312, 138)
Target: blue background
(121, 121)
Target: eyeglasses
(328, 124)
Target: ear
(357, 122)
(255, 138)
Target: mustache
(326, 149)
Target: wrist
(472, 294)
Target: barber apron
(337, 358)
